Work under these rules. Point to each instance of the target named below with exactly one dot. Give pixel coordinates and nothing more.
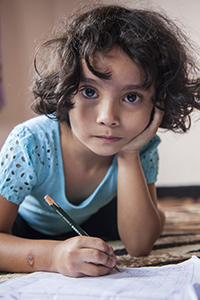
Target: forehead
(118, 64)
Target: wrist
(128, 163)
(44, 256)
(128, 156)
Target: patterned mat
(179, 241)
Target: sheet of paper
(172, 282)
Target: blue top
(31, 166)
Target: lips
(108, 139)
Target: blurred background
(23, 24)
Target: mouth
(108, 139)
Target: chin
(106, 153)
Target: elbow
(139, 243)
(136, 248)
(138, 251)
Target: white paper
(172, 282)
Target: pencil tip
(116, 268)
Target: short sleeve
(150, 159)
(16, 167)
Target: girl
(105, 83)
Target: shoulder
(34, 141)
(39, 130)
(39, 124)
(29, 154)
(39, 138)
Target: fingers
(96, 243)
(96, 251)
(152, 129)
(158, 116)
(98, 257)
(82, 256)
(94, 270)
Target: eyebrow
(124, 88)
(88, 80)
(134, 87)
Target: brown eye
(132, 98)
(89, 93)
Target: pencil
(67, 218)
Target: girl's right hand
(83, 256)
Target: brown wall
(23, 22)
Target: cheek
(147, 114)
(138, 123)
(79, 124)
(81, 113)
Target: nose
(108, 114)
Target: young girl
(106, 82)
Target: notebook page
(167, 282)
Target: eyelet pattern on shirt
(150, 160)
(22, 160)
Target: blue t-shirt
(31, 166)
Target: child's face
(108, 114)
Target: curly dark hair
(149, 38)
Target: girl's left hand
(145, 136)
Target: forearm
(74, 257)
(139, 221)
(24, 255)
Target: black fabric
(103, 224)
